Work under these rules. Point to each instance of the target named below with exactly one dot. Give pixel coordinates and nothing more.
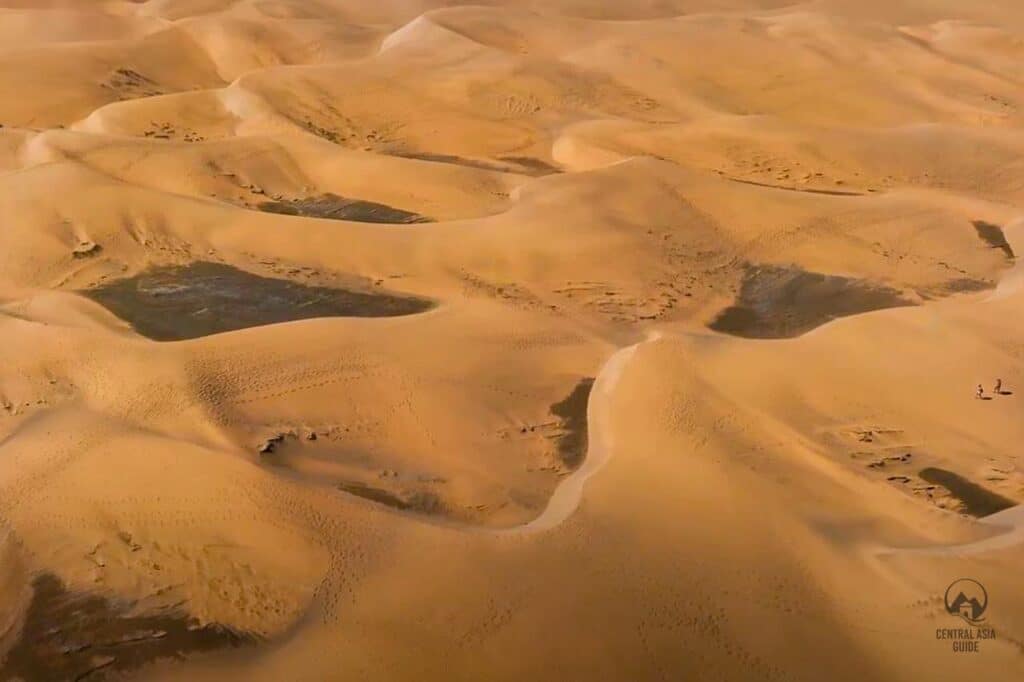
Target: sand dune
(499, 341)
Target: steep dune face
(505, 341)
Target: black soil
(334, 207)
(374, 494)
(532, 166)
(967, 285)
(572, 444)
(977, 500)
(805, 190)
(993, 236)
(455, 160)
(419, 501)
(82, 636)
(777, 302)
(524, 165)
(171, 303)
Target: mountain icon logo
(967, 599)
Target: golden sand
(561, 340)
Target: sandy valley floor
(509, 340)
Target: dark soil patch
(532, 166)
(78, 636)
(993, 236)
(779, 302)
(524, 165)
(456, 160)
(171, 303)
(419, 501)
(806, 190)
(958, 286)
(572, 444)
(374, 494)
(977, 500)
(130, 84)
(965, 284)
(334, 207)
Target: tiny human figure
(980, 393)
(999, 387)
